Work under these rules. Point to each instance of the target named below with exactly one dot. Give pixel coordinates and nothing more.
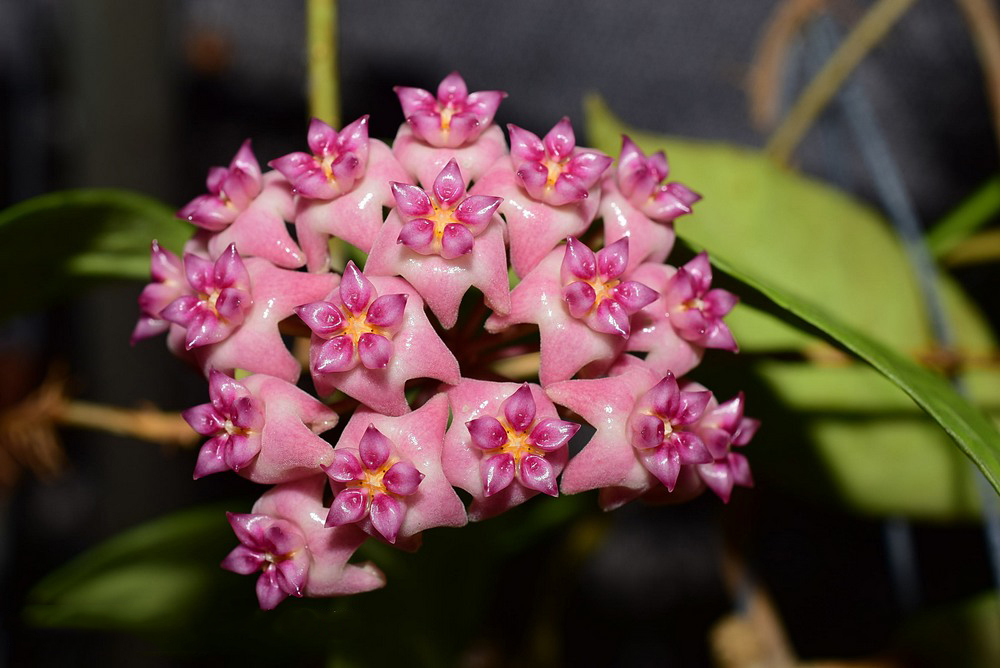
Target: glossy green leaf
(826, 262)
(55, 245)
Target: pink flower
(220, 301)
(722, 427)
(169, 283)
(661, 429)
(506, 444)
(372, 485)
(406, 342)
(445, 223)
(694, 310)
(553, 170)
(453, 118)
(262, 428)
(283, 537)
(337, 162)
(230, 191)
(594, 291)
(443, 244)
(640, 179)
(413, 497)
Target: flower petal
(349, 506)
(497, 473)
(612, 259)
(323, 318)
(560, 141)
(387, 516)
(449, 187)
(647, 431)
(579, 261)
(356, 291)
(334, 355)
(519, 408)
(411, 200)
(550, 434)
(456, 241)
(634, 296)
(538, 474)
(487, 432)
(417, 234)
(374, 350)
(402, 479)
(579, 297)
(345, 467)
(374, 448)
(386, 311)
(525, 146)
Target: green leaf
(971, 214)
(56, 245)
(966, 634)
(828, 263)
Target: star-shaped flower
(505, 445)
(284, 538)
(169, 283)
(261, 427)
(721, 428)
(368, 346)
(416, 438)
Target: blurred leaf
(163, 580)
(963, 635)
(55, 245)
(826, 262)
(979, 248)
(975, 211)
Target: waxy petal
(374, 350)
(487, 433)
(325, 319)
(417, 235)
(387, 516)
(321, 138)
(534, 176)
(537, 473)
(243, 560)
(413, 100)
(456, 241)
(633, 296)
(579, 261)
(334, 355)
(387, 311)
(580, 298)
(587, 167)
(497, 473)
(477, 211)
(611, 318)
(402, 479)
(452, 89)
(204, 419)
(411, 200)
(612, 260)
(356, 291)
(550, 434)
(647, 431)
(449, 186)
(525, 146)
(664, 463)
(345, 467)
(560, 141)
(374, 448)
(690, 448)
(349, 506)
(519, 408)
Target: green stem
(966, 219)
(869, 32)
(324, 79)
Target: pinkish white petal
(414, 99)
(452, 89)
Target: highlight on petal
(452, 89)
(449, 187)
(612, 318)
(613, 259)
(417, 234)
(537, 473)
(550, 434)
(633, 296)
(386, 311)
(356, 291)
(374, 448)
(349, 506)
(579, 297)
(345, 467)
(387, 516)
(411, 200)
(647, 431)
(402, 478)
(323, 318)
(560, 140)
(477, 211)
(320, 137)
(337, 354)
(497, 473)
(579, 261)
(374, 350)
(519, 408)
(456, 241)
(487, 432)
(525, 146)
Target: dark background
(148, 95)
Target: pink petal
(612, 259)
(497, 473)
(247, 413)
(374, 448)
(525, 146)
(647, 431)
(680, 191)
(349, 506)
(580, 298)
(402, 478)
(216, 178)
(633, 173)
(356, 291)
(690, 448)
(452, 89)
(323, 318)
(240, 450)
(484, 104)
(560, 140)
(291, 574)
(487, 432)
(205, 329)
(449, 187)
(414, 99)
(665, 397)
(204, 419)
(551, 434)
(163, 264)
(462, 127)
(269, 592)
(534, 176)
(346, 170)
(567, 190)
(232, 305)
(243, 560)
(700, 271)
(209, 212)
(748, 427)
(229, 270)
(634, 296)
(417, 234)
(538, 474)
(211, 459)
(387, 516)
(587, 167)
(321, 138)
(198, 272)
(374, 350)
(719, 302)
(519, 408)
(249, 528)
(612, 318)
(718, 477)
(386, 311)
(427, 126)
(411, 200)
(718, 336)
(345, 467)
(353, 138)
(579, 261)
(691, 406)
(478, 210)
(456, 241)
(664, 463)
(740, 469)
(334, 355)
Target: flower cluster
(444, 389)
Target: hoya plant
(431, 353)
